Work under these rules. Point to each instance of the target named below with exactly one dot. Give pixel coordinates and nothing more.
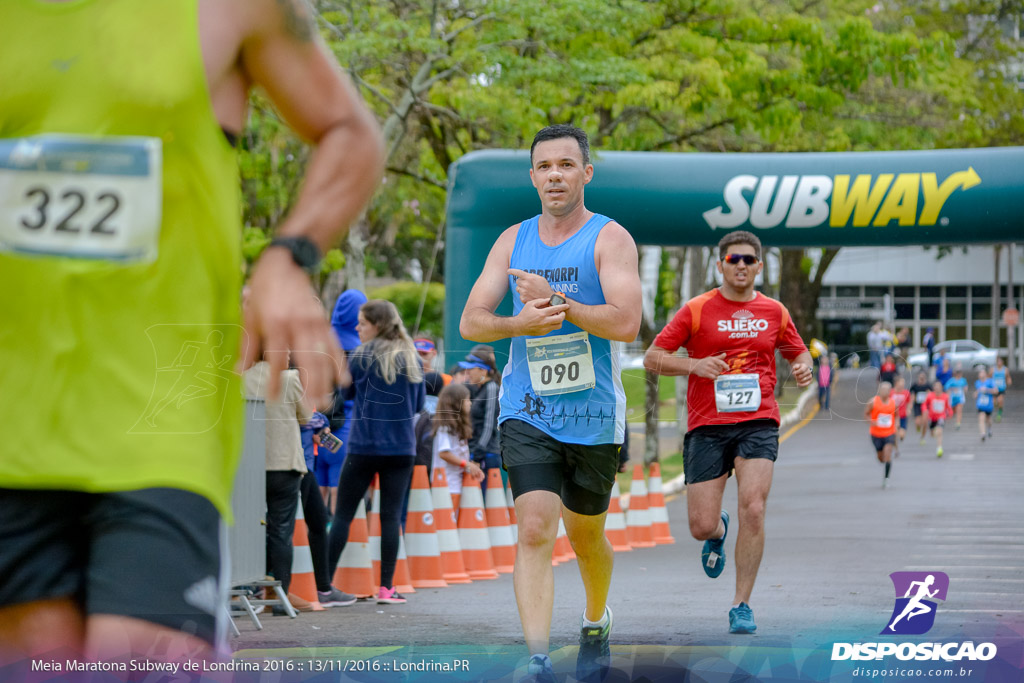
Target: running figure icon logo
(916, 592)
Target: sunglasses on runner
(733, 259)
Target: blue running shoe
(594, 658)
(712, 558)
(741, 619)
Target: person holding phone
(577, 287)
(731, 334)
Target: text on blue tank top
(592, 415)
(999, 378)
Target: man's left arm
(617, 319)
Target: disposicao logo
(802, 201)
(914, 614)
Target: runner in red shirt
(901, 395)
(731, 334)
(937, 408)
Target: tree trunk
(647, 335)
(355, 256)
(799, 292)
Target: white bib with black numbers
(560, 364)
(83, 197)
(738, 393)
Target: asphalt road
(833, 538)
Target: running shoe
(983, 438)
(712, 557)
(594, 658)
(335, 598)
(999, 416)
(938, 452)
(958, 426)
(389, 596)
(741, 619)
(885, 483)
(539, 670)
(922, 442)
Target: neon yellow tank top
(120, 259)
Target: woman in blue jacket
(387, 391)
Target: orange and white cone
(510, 503)
(402, 580)
(453, 568)
(473, 535)
(503, 548)
(660, 532)
(354, 573)
(421, 534)
(303, 580)
(638, 517)
(563, 548)
(615, 523)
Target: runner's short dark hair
(739, 237)
(563, 130)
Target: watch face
(556, 299)
(306, 253)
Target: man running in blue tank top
(562, 404)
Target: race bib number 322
(82, 197)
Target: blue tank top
(999, 377)
(545, 382)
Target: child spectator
(452, 431)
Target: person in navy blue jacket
(387, 391)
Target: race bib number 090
(81, 197)
(738, 393)
(560, 364)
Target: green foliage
(406, 296)
(676, 75)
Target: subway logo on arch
(803, 201)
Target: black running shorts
(710, 451)
(153, 554)
(582, 475)
(881, 441)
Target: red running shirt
(902, 398)
(748, 332)
(937, 406)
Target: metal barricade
(247, 536)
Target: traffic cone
(512, 521)
(660, 532)
(303, 580)
(563, 548)
(421, 534)
(473, 535)
(454, 570)
(402, 581)
(503, 548)
(354, 573)
(638, 517)
(615, 523)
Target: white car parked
(966, 353)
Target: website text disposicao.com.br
(869, 673)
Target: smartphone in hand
(330, 442)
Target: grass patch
(633, 384)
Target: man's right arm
(479, 322)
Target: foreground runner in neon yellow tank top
(120, 265)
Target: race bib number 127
(82, 197)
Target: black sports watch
(304, 252)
